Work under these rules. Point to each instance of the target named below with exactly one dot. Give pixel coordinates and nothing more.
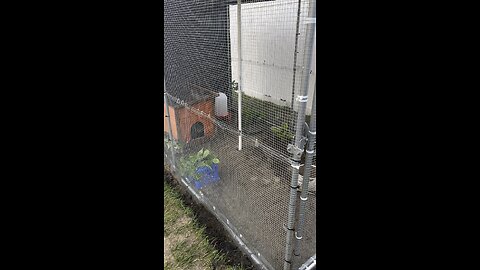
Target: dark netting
(226, 136)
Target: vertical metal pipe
(298, 147)
(312, 135)
(169, 124)
(295, 53)
(240, 85)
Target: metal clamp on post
(303, 142)
(295, 151)
(302, 98)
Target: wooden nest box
(188, 125)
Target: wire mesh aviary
(239, 110)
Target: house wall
(172, 121)
(186, 119)
(268, 45)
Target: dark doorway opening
(197, 130)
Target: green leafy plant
(189, 165)
(172, 144)
(282, 132)
(249, 115)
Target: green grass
(186, 244)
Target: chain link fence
(239, 95)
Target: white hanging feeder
(221, 109)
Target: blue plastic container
(208, 176)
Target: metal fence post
(312, 135)
(240, 85)
(297, 149)
(169, 124)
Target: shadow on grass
(216, 234)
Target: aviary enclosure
(239, 128)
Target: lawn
(186, 243)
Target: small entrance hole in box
(197, 130)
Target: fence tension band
(303, 198)
(298, 237)
(302, 98)
(310, 152)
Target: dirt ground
(253, 193)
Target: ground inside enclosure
(193, 238)
(260, 128)
(253, 193)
